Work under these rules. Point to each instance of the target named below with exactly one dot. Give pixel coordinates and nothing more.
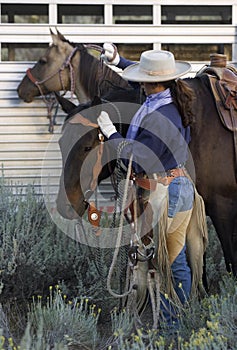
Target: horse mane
(96, 77)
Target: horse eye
(88, 148)
(42, 60)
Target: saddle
(223, 83)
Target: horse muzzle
(25, 95)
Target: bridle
(93, 212)
(51, 100)
(67, 63)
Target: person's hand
(105, 124)
(110, 54)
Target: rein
(93, 213)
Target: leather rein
(94, 214)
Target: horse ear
(54, 37)
(67, 106)
(57, 38)
(60, 36)
(51, 32)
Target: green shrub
(65, 321)
(35, 254)
(215, 263)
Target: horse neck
(94, 78)
(80, 93)
(80, 90)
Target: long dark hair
(183, 97)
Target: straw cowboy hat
(156, 66)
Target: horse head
(69, 67)
(78, 143)
(52, 71)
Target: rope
(94, 47)
(119, 175)
(154, 291)
(119, 238)
(153, 282)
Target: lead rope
(153, 283)
(119, 239)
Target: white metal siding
(24, 135)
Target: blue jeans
(181, 196)
(182, 286)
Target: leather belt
(150, 184)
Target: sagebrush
(53, 296)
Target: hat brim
(133, 73)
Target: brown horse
(212, 145)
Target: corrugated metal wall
(24, 136)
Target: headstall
(50, 102)
(94, 214)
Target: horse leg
(223, 213)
